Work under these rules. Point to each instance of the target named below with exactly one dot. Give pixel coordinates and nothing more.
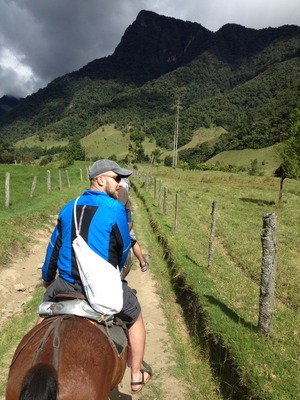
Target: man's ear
(100, 180)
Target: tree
(290, 153)
(155, 155)
(75, 150)
(168, 161)
(135, 148)
(253, 170)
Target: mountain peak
(159, 44)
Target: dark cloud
(43, 39)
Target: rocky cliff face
(150, 47)
(161, 43)
(154, 45)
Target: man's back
(103, 225)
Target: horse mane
(40, 383)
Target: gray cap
(104, 165)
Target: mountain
(242, 79)
(7, 103)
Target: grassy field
(200, 136)
(30, 212)
(191, 366)
(227, 297)
(102, 143)
(107, 141)
(268, 158)
(220, 305)
(34, 140)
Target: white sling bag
(101, 280)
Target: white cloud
(10, 60)
(17, 79)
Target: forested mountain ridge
(246, 80)
(7, 103)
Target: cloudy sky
(43, 39)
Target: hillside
(244, 80)
(7, 103)
(268, 159)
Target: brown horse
(65, 357)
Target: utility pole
(175, 141)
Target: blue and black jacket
(104, 227)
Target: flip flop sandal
(142, 383)
(144, 266)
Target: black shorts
(131, 306)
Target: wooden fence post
(150, 182)
(159, 193)
(212, 235)
(7, 189)
(33, 186)
(147, 182)
(154, 187)
(59, 180)
(268, 273)
(68, 179)
(176, 212)
(165, 207)
(48, 181)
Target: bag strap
(75, 217)
(78, 229)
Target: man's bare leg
(139, 255)
(137, 339)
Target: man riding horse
(105, 229)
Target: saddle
(76, 304)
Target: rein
(53, 324)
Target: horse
(66, 357)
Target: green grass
(102, 143)
(190, 365)
(194, 374)
(108, 140)
(226, 299)
(18, 222)
(34, 140)
(200, 136)
(268, 158)
(229, 293)
(12, 333)
(32, 212)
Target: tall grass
(229, 293)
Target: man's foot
(145, 378)
(144, 266)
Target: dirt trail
(19, 279)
